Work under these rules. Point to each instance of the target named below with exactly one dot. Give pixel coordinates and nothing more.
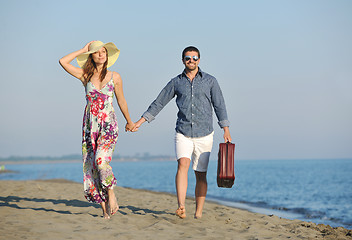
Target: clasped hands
(133, 127)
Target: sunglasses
(195, 58)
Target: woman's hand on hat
(86, 47)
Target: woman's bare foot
(197, 216)
(181, 212)
(105, 207)
(114, 207)
(106, 215)
(114, 210)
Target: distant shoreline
(48, 161)
(7, 162)
(7, 171)
(74, 158)
(136, 158)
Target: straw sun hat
(113, 52)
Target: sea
(318, 191)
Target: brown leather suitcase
(226, 165)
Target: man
(197, 93)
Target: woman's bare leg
(104, 207)
(114, 207)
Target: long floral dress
(100, 131)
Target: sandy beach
(56, 209)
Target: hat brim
(113, 54)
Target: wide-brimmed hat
(113, 52)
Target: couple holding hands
(197, 94)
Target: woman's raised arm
(65, 62)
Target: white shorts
(196, 149)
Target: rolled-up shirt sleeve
(164, 97)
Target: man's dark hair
(190, 49)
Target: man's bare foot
(181, 212)
(197, 216)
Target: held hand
(129, 126)
(227, 136)
(136, 127)
(138, 124)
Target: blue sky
(285, 68)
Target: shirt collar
(200, 72)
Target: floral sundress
(100, 132)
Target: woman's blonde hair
(90, 66)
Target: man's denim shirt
(194, 100)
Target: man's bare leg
(181, 185)
(200, 192)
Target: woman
(100, 129)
